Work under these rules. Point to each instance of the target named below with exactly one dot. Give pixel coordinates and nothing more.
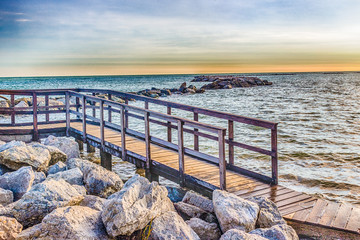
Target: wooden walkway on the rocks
(89, 119)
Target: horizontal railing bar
(251, 148)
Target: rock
(79, 163)
(201, 90)
(4, 104)
(134, 206)
(175, 194)
(39, 177)
(80, 188)
(171, 226)
(67, 145)
(182, 87)
(56, 154)
(187, 211)
(19, 156)
(6, 197)
(22, 104)
(4, 169)
(12, 144)
(74, 222)
(93, 202)
(9, 228)
(269, 214)
(58, 167)
(236, 234)
(42, 199)
(205, 230)
(2, 143)
(234, 212)
(277, 232)
(72, 176)
(197, 200)
(19, 182)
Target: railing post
(83, 102)
(222, 160)
(180, 129)
(126, 114)
(102, 132)
(94, 105)
(12, 105)
(169, 125)
(146, 105)
(123, 134)
(35, 118)
(109, 107)
(274, 157)
(47, 115)
(196, 137)
(231, 139)
(147, 143)
(67, 104)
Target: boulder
(187, 211)
(72, 176)
(58, 167)
(269, 214)
(4, 104)
(67, 145)
(19, 156)
(74, 222)
(39, 177)
(176, 194)
(2, 143)
(236, 234)
(19, 182)
(22, 104)
(79, 163)
(4, 169)
(234, 212)
(11, 144)
(56, 154)
(205, 230)
(6, 197)
(93, 202)
(171, 226)
(42, 199)
(80, 188)
(9, 228)
(134, 206)
(182, 87)
(277, 232)
(197, 200)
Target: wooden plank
(222, 161)
(285, 202)
(12, 104)
(169, 125)
(123, 135)
(147, 140)
(102, 132)
(329, 213)
(35, 119)
(274, 158)
(196, 137)
(181, 151)
(317, 211)
(231, 139)
(342, 216)
(83, 102)
(354, 220)
(301, 215)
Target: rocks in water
(58, 167)
(205, 230)
(93, 202)
(187, 211)
(72, 176)
(134, 206)
(236, 234)
(234, 212)
(182, 87)
(19, 182)
(277, 232)
(39, 177)
(67, 145)
(9, 228)
(198, 200)
(42, 199)
(171, 226)
(269, 214)
(6, 197)
(74, 222)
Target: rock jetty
(48, 192)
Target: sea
(318, 116)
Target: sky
(117, 37)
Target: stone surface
(176, 194)
(2, 143)
(269, 214)
(58, 167)
(67, 145)
(9, 228)
(234, 212)
(205, 230)
(72, 176)
(187, 211)
(80, 188)
(11, 144)
(236, 234)
(79, 163)
(197, 200)
(277, 232)
(39, 177)
(134, 206)
(6, 197)
(44, 198)
(56, 154)
(93, 202)
(22, 104)
(4, 104)
(19, 156)
(74, 222)
(19, 182)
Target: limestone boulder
(134, 206)
(2, 143)
(205, 230)
(80, 188)
(236, 234)
(93, 202)
(234, 212)
(199, 201)
(57, 167)
(67, 145)
(187, 211)
(39, 177)
(72, 176)
(22, 104)
(269, 214)
(73, 222)
(277, 232)
(6, 197)
(56, 154)
(4, 104)
(9, 228)
(79, 163)
(42, 199)
(19, 182)
(11, 144)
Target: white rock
(6, 197)
(277, 232)
(269, 214)
(9, 228)
(236, 234)
(72, 176)
(199, 201)
(187, 211)
(19, 182)
(4, 104)
(56, 154)
(12, 144)
(80, 188)
(67, 145)
(58, 167)
(39, 177)
(2, 143)
(205, 230)
(93, 202)
(22, 104)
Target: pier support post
(81, 144)
(106, 160)
(89, 148)
(151, 176)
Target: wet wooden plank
(329, 213)
(301, 215)
(317, 211)
(342, 216)
(354, 220)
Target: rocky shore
(48, 192)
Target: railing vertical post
(123, 134)
(35, 118)
(83, 102)
(109, 107)
(146, 105)
(67, 105)
(102, 132)
(196, 137)
(147, 140)
(274, 157)
(222, 160)
(231, 139)
(47, 115)
(180, 128)
(169, 125)
(12, 105)
(94, 105)
(126, 114)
